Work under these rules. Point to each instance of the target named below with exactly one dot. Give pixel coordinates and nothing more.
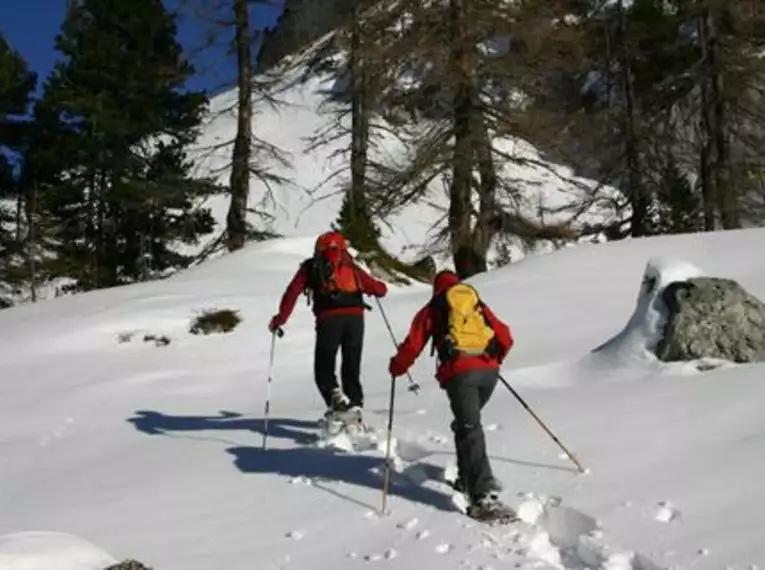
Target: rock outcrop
(712, 318)
(302, 22)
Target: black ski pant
(346, 333)
(468, 393)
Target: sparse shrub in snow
(215, 321)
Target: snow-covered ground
(154, 452)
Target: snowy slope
(155, 452)
(311, 201)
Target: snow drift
(50, 550)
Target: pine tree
(127, 197)
(17, 84)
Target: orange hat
(331, 245)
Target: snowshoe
(492, 511)
(351, 421)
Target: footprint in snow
(389, 554)
(408, 525)
(423, 534)
(301, 480)
(56, 433)
(295, 534)
(666, 512)
(437, 438)
(444, 548)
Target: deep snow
(155, 453)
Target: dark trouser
(344, 332)
(468, 393)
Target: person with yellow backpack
(471, 343)
(336, 286)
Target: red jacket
(366, 283)
(422, 329)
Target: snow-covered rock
(645, 328)
(712, 318)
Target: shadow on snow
(320, 465)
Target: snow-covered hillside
(154, 452)
(311, 202)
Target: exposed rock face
(712, 318)
(301, 23)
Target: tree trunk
(485, 227)
(705, 168)
(460, 207)
(31, 217)
(726, 194)
(239, 182)
(359, 122)
(636, 192)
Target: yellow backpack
(460, 326)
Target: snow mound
(38, 550)
(637, 341)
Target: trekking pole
(280, 333)
(541, 423)
(413, 386)
(386, 480)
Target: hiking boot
(490, 509)
(339, 401)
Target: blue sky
(31, 26)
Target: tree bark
(239, 182)
(726, 194)
(460, 206)
(486, 225)
(638, 199)
(359, 114)
(705, 168)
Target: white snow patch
(666, 512)
(39, 550)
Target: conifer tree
(127, 198)
(17, 84)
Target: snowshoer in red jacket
(336, 285)
(471, 343)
